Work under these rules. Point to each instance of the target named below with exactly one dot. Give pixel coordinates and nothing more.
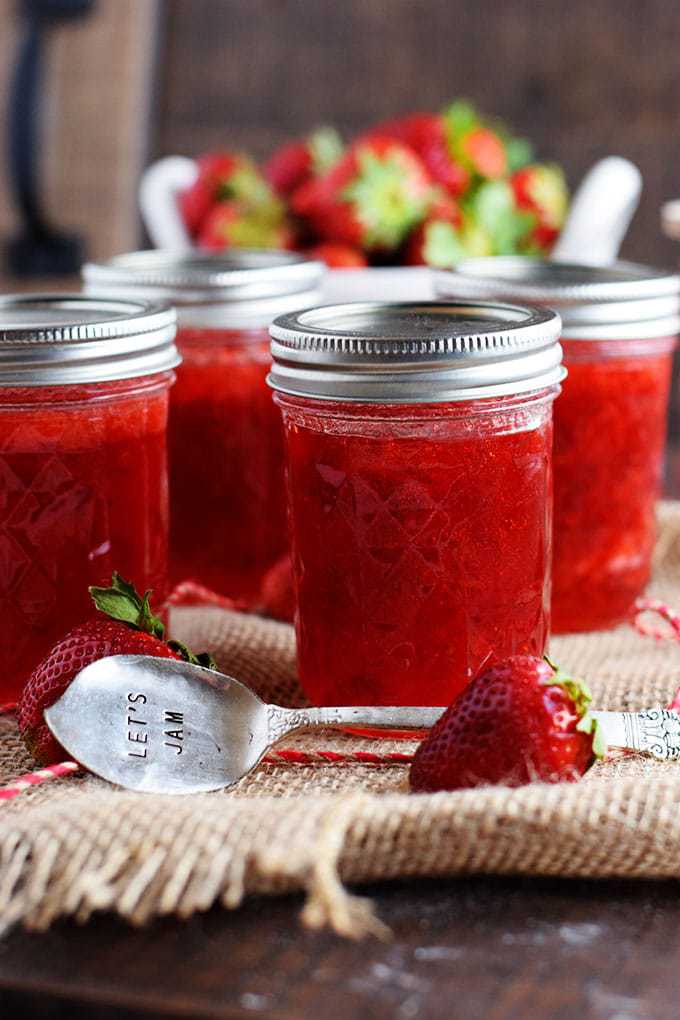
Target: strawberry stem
(122, 602)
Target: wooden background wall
(148, 77)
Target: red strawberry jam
(226, 463)
(421, 544)
(610, 429)
(83, 474)
(619, 323)
(227, 491)
(419, 442)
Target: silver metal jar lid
(66, 339)
(232, 287)
(621, 301)
(415, 352)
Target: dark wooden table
(473, 949)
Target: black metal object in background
(41, 248)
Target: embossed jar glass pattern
(83, 490)
(618, 333)
(419, 479)
(227, 498)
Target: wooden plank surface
(475, 949)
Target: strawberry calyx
(388, 201)
(442, 245)
(123, 603)
(325, 149)
(579, 693)
(202, 659)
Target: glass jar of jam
(419, 482)
(83, 409)
(227, 501)
(619, 327)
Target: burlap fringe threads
(66, 870)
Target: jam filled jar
(227, 499)
(619, 327)
(419, 481)
(83, 411)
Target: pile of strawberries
(424, 189)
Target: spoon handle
(284, 720)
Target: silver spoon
(165, 726)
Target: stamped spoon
(165, 726)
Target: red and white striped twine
(278, 756)
(656, 606)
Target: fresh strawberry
(371, 199)
(541, 190)
(338, 256)
(223, 177)
(296, 162)
(485, 152)
(277, 596)
(518, 721)
(491, 207)
(128, 627)
(479, 149)
(237, 225)
(437, 241)
(426, 134)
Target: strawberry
(491, 207)
(426, 134)
(438, 240)
(518, 721)
(292, 164)
(338, 256)
(127, 628)
(237, 225)
(541, 190)
(371, 199)
(481, 151)
(226, 176)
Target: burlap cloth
(77, 845)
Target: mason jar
(619, 332)
(83, 410)
(419, 442)
(227, 522)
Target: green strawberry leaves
(442, 247)
(385, 201)
(492, 207)
(459, 118)
(203, 659)
(325, 147)
(122, 602)
(579, 692)
(519, 152)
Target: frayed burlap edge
(77, 846)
